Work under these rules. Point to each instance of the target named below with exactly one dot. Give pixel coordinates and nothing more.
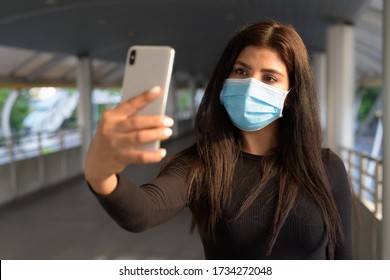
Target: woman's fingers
(145, 136)
(120, 132)
(130, 106)
(143, 122)
(139, 156)
(127, 143)
(114, 150)
(135, 130)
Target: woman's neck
(260, 142)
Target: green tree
(3, 97)
(20, 109)
(369, 96)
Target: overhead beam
(369, 62)
(41, 70)
(113, 75)
(372, 16)
(24, 63)
(17, 82)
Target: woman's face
(262, 64)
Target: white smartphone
(146, 67)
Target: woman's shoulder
(335, 169)
(330, 158)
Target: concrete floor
(66, 222)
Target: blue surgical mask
(251, 104)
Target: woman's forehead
(261, 57)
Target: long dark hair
(297, 160)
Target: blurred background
(61, 66)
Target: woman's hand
(116, 138)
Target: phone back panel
(152, 67)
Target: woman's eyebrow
(266, 70)
(243, 64)
(270, 70)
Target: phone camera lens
(132, 57)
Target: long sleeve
(137, 208)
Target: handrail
(366, 175)
(32, 144)
(32, 149)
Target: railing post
(377, 199)
(64, 169)
(380, 185)
(41, 160)
(361, 179)
(13, 175)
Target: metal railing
(27, 145)
(366, 175)
(34, 149)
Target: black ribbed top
(302, 236)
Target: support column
(341, 89)
(171, 105)
(85, 86)
(192, 87)
(386, 133)
(319, 69)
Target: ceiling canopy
(41, 39)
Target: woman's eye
(240, 72)
(270, 79)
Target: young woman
(257, 180)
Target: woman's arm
(139, 208)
